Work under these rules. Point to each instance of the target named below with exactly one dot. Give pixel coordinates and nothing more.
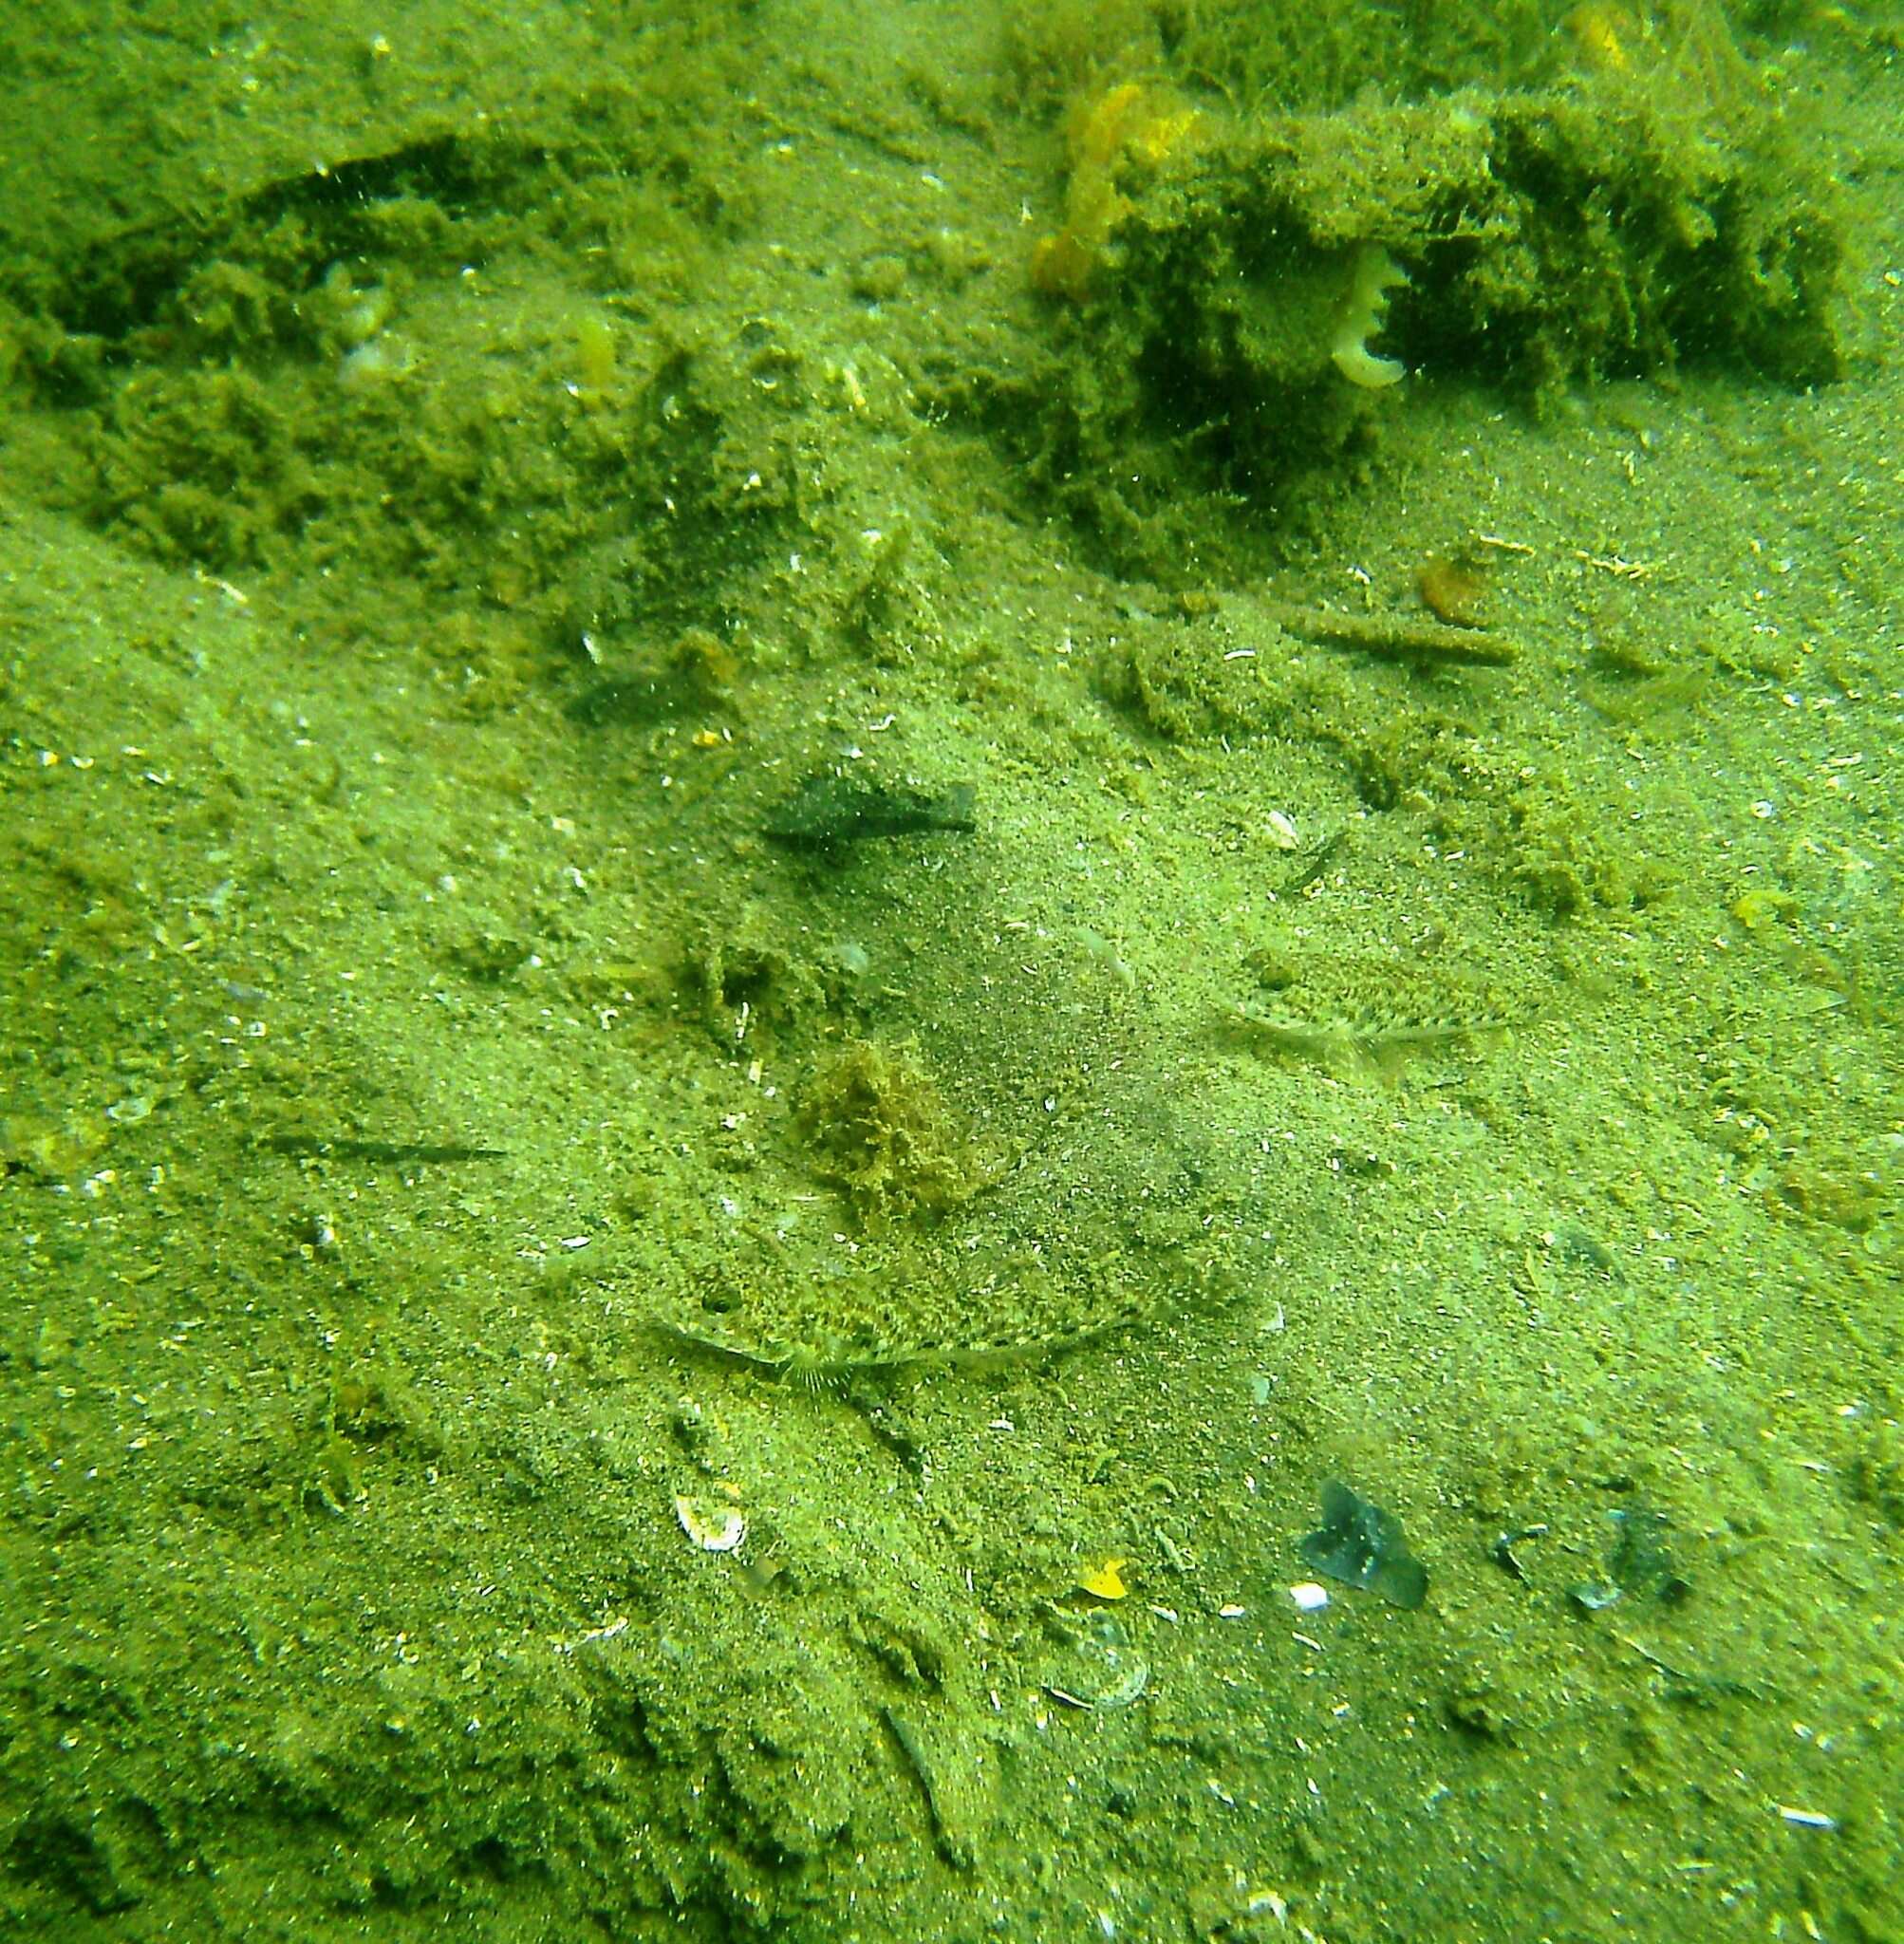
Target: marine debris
(1637, 1561)
(1362, 1545)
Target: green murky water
(830, 829)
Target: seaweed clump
(880, 1129)
(1615, 218)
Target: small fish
(348, 1148)
(830, 810)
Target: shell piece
(711, 1525)
(1098, 1666)
(1375, 274)
(1105, 1582)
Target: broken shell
(1105, 1582)
(1095, 1666)
(715, 1529)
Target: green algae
(1604, 227)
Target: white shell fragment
(714, 1527)
(1363, 311)
(1309, 1598)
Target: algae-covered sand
(829, 830)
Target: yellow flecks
(1105, 1582)
(711, 739)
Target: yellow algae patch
(1603, 35)
(1129, 126)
